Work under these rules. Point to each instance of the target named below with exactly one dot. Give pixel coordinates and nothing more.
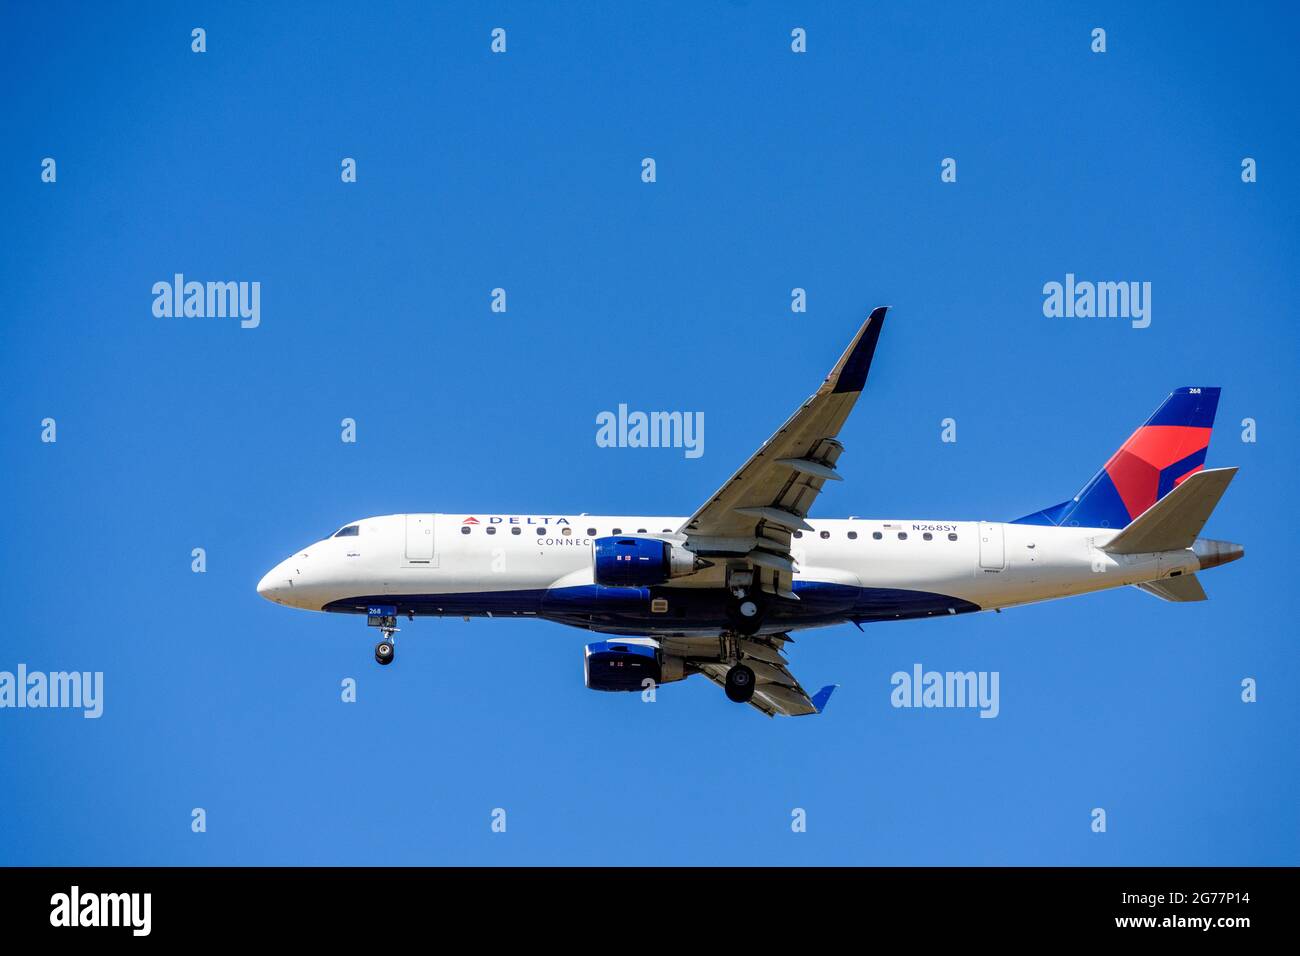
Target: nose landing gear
(384, 617)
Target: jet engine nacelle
(632, 562)
(628, 665)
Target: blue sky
(522, 171)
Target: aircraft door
(420, 551)
(993, 555)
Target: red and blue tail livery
(1164, 451)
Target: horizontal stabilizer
(1173, 522)
(1185, 588)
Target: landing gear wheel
(740, 684)
(746, 614)
(384, 617)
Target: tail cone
(1213, 553)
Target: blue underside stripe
(629, 608)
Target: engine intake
(627, 665)
(632, 562)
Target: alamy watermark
(208, 300)
(77, 690)
(1082, 299)
(130, 910)
(922, 688)
(626, 429)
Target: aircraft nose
(274, 584)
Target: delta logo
(516, 519)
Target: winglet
(850, 372)
(820, 698)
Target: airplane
(721, 592)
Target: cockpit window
(351, 531)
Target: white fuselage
(848, 569)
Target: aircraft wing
(755, 512)
(776, 691)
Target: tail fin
(1169, 447)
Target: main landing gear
(740, 680)
(740, 684)
(384, 617)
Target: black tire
(740, 684)
(384, 652)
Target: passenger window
(640, 530)
(591, 532)
(351, 531)
(853, 536)
(491, 530)
(927, 536)
(617, 531)
(514, 531)
(541, 531)
(825, 534)
(951, 536)
(566, 531)
(876, 535)
(464, 529)
(902, 536)
(798, 534)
